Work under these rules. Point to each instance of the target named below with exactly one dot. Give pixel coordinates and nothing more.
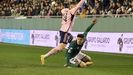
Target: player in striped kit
(68, 18)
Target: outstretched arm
(74, 10)
(94, 21)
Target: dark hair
(80, 35)
(73, 3)
(66, 5)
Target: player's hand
(94, 21)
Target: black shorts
(65, 37)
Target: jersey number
(65, 17)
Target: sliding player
(74, 56)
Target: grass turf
(25, 60)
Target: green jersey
(74, 48)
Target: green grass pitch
(25, 60)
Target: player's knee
(89, 58)
(82, 65)
(59, 49)
(86, 59)
(88, 63)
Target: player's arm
(89, 27)
(68, 53)
(71, 46)
(75, 9)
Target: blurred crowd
(53, 7)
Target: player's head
(67, 7)
(72, 5)
(64, 11)
(80, 39)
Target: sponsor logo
(41, 36)
(105, 40)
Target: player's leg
(85, 58)
(64, 39)
(53, 51)
(88, 63)
(75, 62)
(82, 64)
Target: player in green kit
(74, 56)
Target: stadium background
(106, 24)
